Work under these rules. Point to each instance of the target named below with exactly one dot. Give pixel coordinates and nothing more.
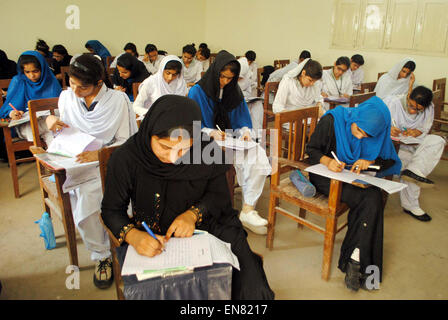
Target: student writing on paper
(168, 80)
(278, 75)
(356, 71)
(96, 47)
(34, 80)
(249, 58)
(399, 80)
(203, 56)
(43, 48)
(336, 82)
(358, 136)
(128, 48)
(155, 169)
(192, 68)
(413, 117)
(61, 58)
(152, 58)
(129, 70)
(106, 114)
(222, 105)
(300, 88)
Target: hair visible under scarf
(232, 95)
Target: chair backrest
(135, 87)
(270, 90)
(64, 73)
(212, 57)
(278, 64)
(438, 106)
(359, 98)
(440, 84)
(109, 61)
(103, 158)
(36, 106)
(4, 83)
(368, 87)
(327, 67)
(380, 74)
(291, 144)
(259, 78)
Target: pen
(219, 128)
(13, 107)
(394, 123)
(335, 158)
(149, 231)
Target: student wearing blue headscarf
(359, 137)
(96, 47)
(34, 80)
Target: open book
(407, 139)
(349, 177)
(26, 118)
(70, 142)
(181, 255)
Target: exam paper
(71, 142)
(236, 143)
(26, 118)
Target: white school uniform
(336, 88)
(112, 121)
(291, 95)
(421, 159)
(278, 74)
(152, 67)
(192, 74)
(357, 77)
(390, 85)
(155, 86)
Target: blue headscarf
(21, 89)
(98, 48)
(374, 118)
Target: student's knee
(434, 140)
(373, 197)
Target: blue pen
(149, 231)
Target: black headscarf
(168, 112)
(8, 68)
(137, 68)
(232, 94)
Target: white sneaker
(254, 222)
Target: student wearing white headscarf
(399, 80)
(278, 74)
(168, 80)
(413, 116)
(299, 88)
(336, 82)
(106, 114)
(255, 107)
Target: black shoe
(103, 275)
(352, 275)
(418, 180)
(423, 217)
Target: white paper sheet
(236, 144)
(71, 142)
(26, 118)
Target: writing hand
(394, 132)
(15, 115)
(144, 244)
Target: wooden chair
(330, 208)
(368, 87)
(103, 157)
(278, 64)
(356, 99)
(212, 57)
(380, 74)
(268, 115)
(440, 84)
(260, 88)
(54, 200)
(13, 145)
(64, 73)
(327, 67)
(109, 61)
(135, 87)
(440, 125)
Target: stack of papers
(26, 118)
(349, 177)
(236, 144)
(181, 255)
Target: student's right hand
(218, 135)
(324, 94)
(15, 115)
(144, 244)
(334, 166)
(394, 132)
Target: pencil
(13, 107)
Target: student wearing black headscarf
(223, 107)
(129, 70)
(174, 198)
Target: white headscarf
(177, 86)
(389, 84)
(245, 75)
(105, 119)
(297, 70)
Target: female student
(96, 47)
(356, 71)
(128, 48)
(106, 114)
(61, 58)
(174, 198)
(336, 82)
(8, 69)
(413, 116)
(43, 48)
(223, 106)
(168, 80)
(359, 137)
(278, 74)
(203, 56)
(152, 58)
(300, 88)
(192, 67)
(129, 70)
(399, 80)
(34, 81)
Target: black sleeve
(322, 141)
(117, 194)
